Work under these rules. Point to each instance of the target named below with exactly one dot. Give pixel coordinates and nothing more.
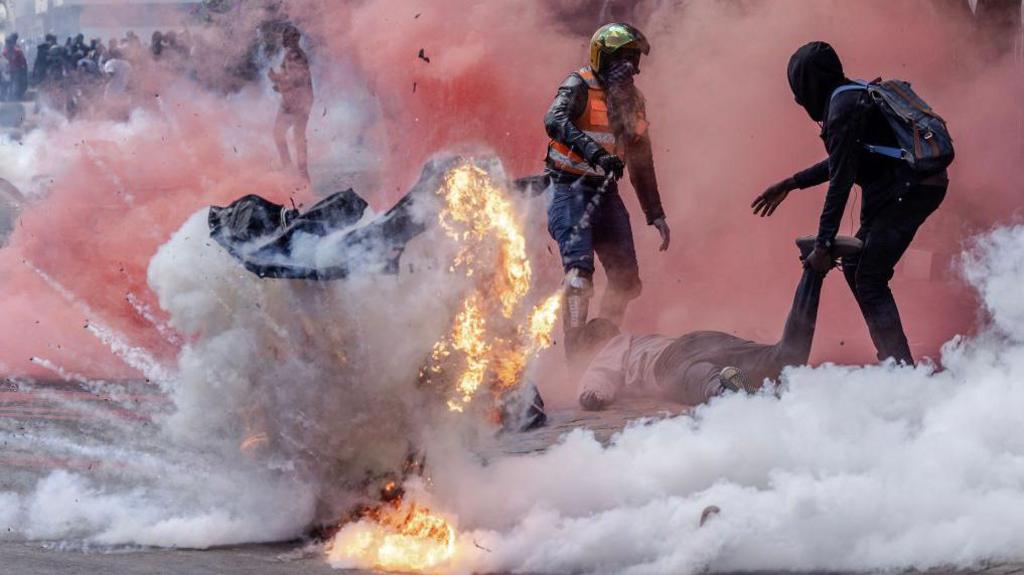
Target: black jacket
(569, 105)
(851, 120)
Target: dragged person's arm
(605, 375)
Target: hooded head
(814, 73)
(290, 36)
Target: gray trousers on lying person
(685, 369)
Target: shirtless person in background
(693, 368)
(295, 84)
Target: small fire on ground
(493, 336)
(397, 536)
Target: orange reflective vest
(595, 123)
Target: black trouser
(886, 237)
(687, 370)
(795, 346)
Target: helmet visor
(615, 37)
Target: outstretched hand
(666, 234)
(765, 204)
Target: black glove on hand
(611, 164)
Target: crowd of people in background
(72, 75)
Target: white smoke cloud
(876, 467)
(316, 365)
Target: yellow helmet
(611, 38)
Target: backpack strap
(856, 85)
(888, 151)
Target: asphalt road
(44, 559)
(282, 559)
(65, 406)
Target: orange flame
(487, 337)
(476, 210)
(398, 536)
(492, 338)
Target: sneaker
(732, 379)
(842, 246)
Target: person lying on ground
(693, 368)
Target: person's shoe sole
(843, 246)
(732, 379)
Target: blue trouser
(608, 234)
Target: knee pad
(577, 282)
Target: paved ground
(38, 559)
(23, 410)
(283, 559)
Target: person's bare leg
(301, 152)
(281, 126)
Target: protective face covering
(814, 73)
(620, 73)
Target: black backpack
(924, 140)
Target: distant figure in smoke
(693, 368)
(117, 93)
(598, 127)
(295, 84)
(17, 67)
(897, 197)
(40, 68)
(156, 44)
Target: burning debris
(398, 536)
(493, 327)
(492, 336)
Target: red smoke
(116, 199)
(724, 125)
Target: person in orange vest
(598, 128)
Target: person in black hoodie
(896, 200)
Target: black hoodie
(849, 121)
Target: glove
(819, 260)
(765, 204)
(611, 164)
